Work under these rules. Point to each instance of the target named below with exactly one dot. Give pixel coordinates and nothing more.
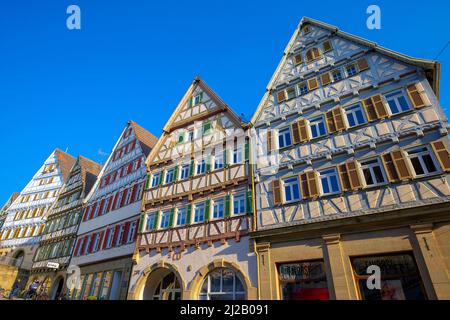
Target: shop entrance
(162, 284)
(57, 288)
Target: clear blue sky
(134, 60)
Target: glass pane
(429, 163)
(228, 278)
(417, 166)
(368, 176)
(215, 278)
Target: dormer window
(313, 54)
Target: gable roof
(431, 67)
(9, 202)
(90, 170)
(169, 126)
(66, 161)
(145, 138)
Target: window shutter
(247, 151)
(147, 181)
(227, 205)
(142, 223)
(303, 128)
(442, 154)
(208, 164)
(105, 242)
(125, 233)
(389, 166)
(354, 175)
(116, 235)
(124, 196)
(190, 102)
(207, 126)
(325, 78)
(362, 64)
(156, 221)
(189, 214)
(269, 141)
(116, 197)
(329, 119)
(276, 191)
(312, 84)
(110, 202)
(172, 217)
(370, 109)
(175, 173)
(249, 202)
(313, 184)
(91, 244)
(225, 158)
(304, 188)
(83, 247)
(380, 108)
(327, 46)
(102, 204)
(77, 247)
(133, 193)
(309, 55)
(135, 231)
(191, 169)
(401, 164)
(281, 96)
(101, 240)
(201, 96)
(316, 53)
(295, 133)
(85, 216)
(298, 59)
(417, 95)
(161, 178)
(208, 210)
(338, 116)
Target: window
(131, 232)
(400, 278)
(96, 242)
(110, 237)
(373, 174)
(329, 181)
(180, 138)
(165, 219)
(313, 54)
(317, 126)
(218, 209)
(191, 135)
(181, 217)
(237, 155)
(302, 88)
(222, 284)
(218, 161)
(151, 221)
(184, 172)
(355, 115)
(337, 75)
(239, 204)
(170, 175)
(351, 70)
(422, 161)
(199, 214)
(198, 98)
(120, 235)
(397, 102)
(155, 180)
(88, 243)
(303, 281)
(284, 138)
(291, 189)
(201, 166)
(290, 92)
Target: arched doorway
(222, 284)
(57, 289)
(162, 284)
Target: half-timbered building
(197, 206)
(107, 232)
(58, 238)
(352, 172)
(25, 219)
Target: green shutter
(207, 209)
(201, 96)
(147, 181)
(249, 202)
(190, 102)
(161, 177)
(227, 205)
(142, 223)
(172, 217)
(189, 214)
(208, 164)
(191, 169)
(207, 127)
(247, 151)
(155, 222)
(175, 174)
(225, 158)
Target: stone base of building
(181, 275)
(409, 249)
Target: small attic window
(198, 98)
(327, 46)
(313, 54)
(298, 59)
(306, 30)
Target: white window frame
(155, 179)
(110, 239)
(197, 211)
(218, 206)
(419, 156)
(222, 163)
(151, 218)
(131, 231)
(327, 174)
(184, 169)
(119, 236)
(237, 209)
(200, 164)
(289, 183)
(238, 155)
(395, 95)
(282, 136)
(370, 167)
(169, 173)
(96, 243)
(165, 220)
(182, 212)
(352, 110)
(315, 122)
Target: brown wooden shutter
(370, 109)
(327, 46)
(298, 59)
(343, 177)
(316, 53)
(276, 190)
(304, 185)
(338, 116)
(269, 141)
(354, 175)
(442, 154)
(281, 96)
(417, 95)
(312, 84)
(313, 184)
(380, 108)
(401, 165)
(309, 55)
(329, 119)
(362, 64)
(389, 166)
(325, 78)
(303, 128)
(295, 133)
